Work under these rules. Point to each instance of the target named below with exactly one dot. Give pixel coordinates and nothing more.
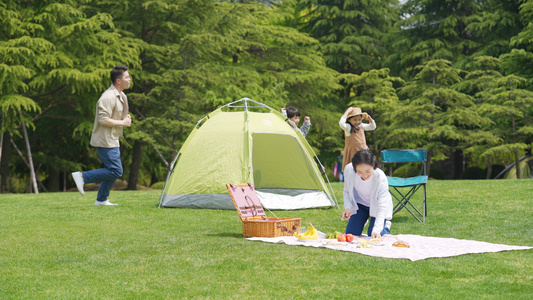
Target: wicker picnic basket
(254, 220)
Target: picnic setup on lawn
(257, 227)
(268, 142)
(257, 217)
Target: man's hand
(127, 121)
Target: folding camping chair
(414, 183)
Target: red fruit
(349, 237)
(341, 238)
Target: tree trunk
(4, 162)
(457, 164)
(153, 179)
(489, 168)
(516, 155)
(375, 138)
(53, 184)
(428, 163)
(135, 165)
(33, 178)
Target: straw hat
(356, 112)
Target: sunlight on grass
(58, 245)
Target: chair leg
(405, 199)
(425, 205)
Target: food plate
(305, 241)
(333, 242)
(376, 243)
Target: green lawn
(59, 246)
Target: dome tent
(246, 142)
(526, 169)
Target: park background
(452, 77)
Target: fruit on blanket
(365, 245)
(349, 237)
(341, 237)
(333, 235)
(310, 234)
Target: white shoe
(104, 203)
(78, 179)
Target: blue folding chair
(414, 183)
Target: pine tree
(508, 106)
(435, 116)
(60, 59)
(479, 84)
(434, 29)
(374, 92)
(350, 31)
(199, 55)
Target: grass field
(59, 246)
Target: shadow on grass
(227, 234)
(400, 219)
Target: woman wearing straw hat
(354, 132)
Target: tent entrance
(284, 175)
(279, 161)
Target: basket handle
(248, 199)
(283, 228)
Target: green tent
(526, 169)
(246, 142)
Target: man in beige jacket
(111, 116)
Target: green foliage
(451, 76)
(505, 106)
(457, 31)
(350, 32)
(374, 92)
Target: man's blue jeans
(357, 222)
(112, 170)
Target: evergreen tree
(350, 32)
(374, 92)
(435, 116)
(520, 58)
(508, 106)
(434, 29)
(63, 59)
(493, 26)
(199, 55)
(479, 83)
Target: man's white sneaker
(78, 179)
(104, 203)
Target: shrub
(158, 185)
(473, 173)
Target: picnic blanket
(421, 247)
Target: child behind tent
(293, 118)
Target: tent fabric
(243, 146)
(526, 169)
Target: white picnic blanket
(421, 247)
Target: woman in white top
(366, 194)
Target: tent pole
(170, 171)
(329, 183)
